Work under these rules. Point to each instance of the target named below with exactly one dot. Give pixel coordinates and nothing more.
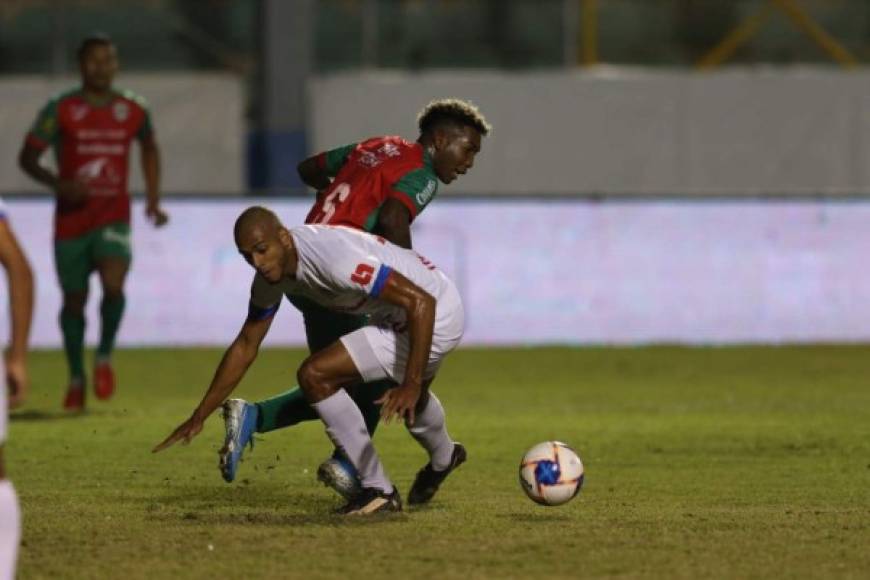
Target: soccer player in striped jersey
(20, 284)
(415, 319)
(90, 129)
(379, 185)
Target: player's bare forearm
(312, 174)
(394, 223)
(232, 368)
(419, 307)
(20, 284)
(28, 160)
(421, 324)
(151, 170)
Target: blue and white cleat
(240, 421)
(339, 474)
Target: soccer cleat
(240, 421)
(339, 474)
(428, 480)
(371, 501)
(104, 380)
(75, 399)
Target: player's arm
(150, 160)
(419, 307)
(20, 284)
(42, 134)
(232, 368)
(394, 223)
(318, 170)
(312, 172)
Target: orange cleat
(75, 399)
(104, 381)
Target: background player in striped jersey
(416, 319)
(20, 284)
(379, 185)
(90, 129)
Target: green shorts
(76, 258)
(324, 326)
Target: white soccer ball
(551, 473)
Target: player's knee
(74, 303)
(313, 381)
(113, 293)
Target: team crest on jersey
(424, 196)
(121, 111)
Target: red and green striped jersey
(366, 175)
(92, 144)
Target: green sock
(73, 328)
(291, 407)
(111, 311)
(288, 408)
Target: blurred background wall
(677, 141)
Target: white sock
(430, 431)
(347, 429)
(10, 529)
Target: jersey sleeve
(265, 299)
(350, 267)
(46, 127)
(333, 160)
(415, 190)
(146, 130)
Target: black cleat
(428, 480)
(372, 501)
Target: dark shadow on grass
(544, 517)
(243, 505)
(46, 415)
(326, 518)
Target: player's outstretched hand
(184, 432)
(16, 380)
(399, 402)
(157, 216)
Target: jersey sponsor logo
(79, 112)
(98, 169)
(370, 159)
(88, 134)
(363, 274)
(99, 149)
(121, 111)
(424, 196)
(389, 150)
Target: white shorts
(381, 352)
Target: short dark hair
(454, 111)
(96, 39)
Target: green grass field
(725, 463)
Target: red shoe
(104, 381)
(75, 399)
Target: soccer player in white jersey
(416, 319)
(20, 285)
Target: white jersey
(345, 270)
